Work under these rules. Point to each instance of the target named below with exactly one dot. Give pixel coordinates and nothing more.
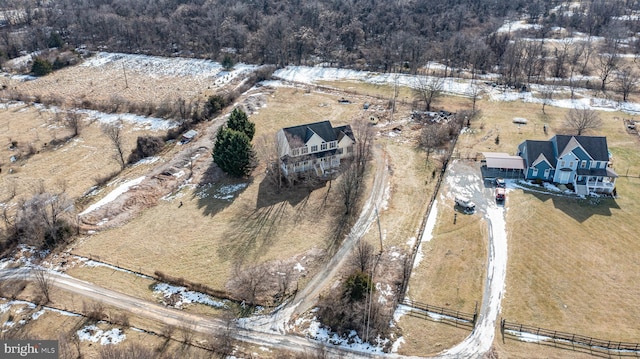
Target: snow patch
(148, 160)
(113, 195)
(177, 297)
(94, 334)
(427, 235)
(351, 340)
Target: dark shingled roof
(344, 131)
(596, 146)
(304, 132)
(535, 148)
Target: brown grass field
(573, 264)
(207, 237)
(73, 165)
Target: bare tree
(627, 81)
(41, 220)
(351, 179)
(432, 136)
(250, 283)
(547, 94)
(73, 121)
(607, 63)
(581, 120)
(44, 283)
(269, 148)
(363, 255)
(115, 135)
(427, 89)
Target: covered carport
(500, 164)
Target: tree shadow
(255, 228)
(216, 191)
(251, 232)
(580, 209)
(269, 194)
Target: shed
(188, 136)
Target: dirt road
(199, 323)
(308, 297)
(464, 180)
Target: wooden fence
(455, 317)
(571, 340)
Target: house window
(570, 164)
(295, 152)
(323, 146)
(583, 164)
(562, 164)
(314, 148)
(339, 151)
(546, 173)
(333, 144)
(534, 171)
(350, 149)
(304, 150)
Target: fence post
(502, 323)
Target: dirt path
(468, 183)
(308, 297)
(199, 323)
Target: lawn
(207, 237)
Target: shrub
(146, 146)
(41, 67)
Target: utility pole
(126, 83)
(379, 228)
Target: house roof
(190, 134)
(596, 146)
(536, 148)
(306, 131)
(503, 160)
(342, 131)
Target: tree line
(370, 34)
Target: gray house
(582, 161)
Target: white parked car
(465, 204)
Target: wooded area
(366, 34)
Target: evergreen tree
(41, 67)
(227, 63)
(214, 105)
(239, 121)
(55, 40)
(233, 152)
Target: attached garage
(500, 164)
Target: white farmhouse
(315, 147)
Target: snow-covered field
(457, 86)
(156, 67)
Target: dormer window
(323, 146)
(314, 148)
(333, 144)
(304, 150)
